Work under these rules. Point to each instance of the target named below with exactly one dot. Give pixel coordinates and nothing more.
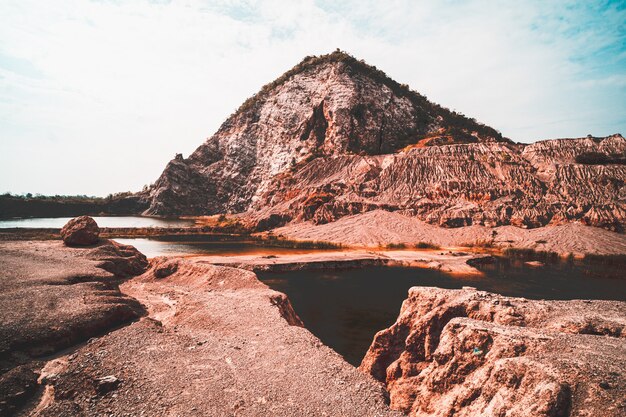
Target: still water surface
(203, 245)
(345, 308)
(104, 221)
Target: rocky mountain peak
(327, 105)
(335, 136)
(357, 107)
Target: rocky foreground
(54, 297)
(186, 337)
(470, 353)
(210, 341)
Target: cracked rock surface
(473, 353)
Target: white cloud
(95, 97)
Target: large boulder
(80, 231)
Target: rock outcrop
(335, 137)
(52, 297)
(470, 353)
(216, 342)
(80, 231)
(326, 106)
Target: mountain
(334, 136)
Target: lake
(103, 221)
(345, 308)
(203, 245)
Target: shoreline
(238, 344)
(452, 262)
(272, 245)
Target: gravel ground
(216, 342)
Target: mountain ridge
(334, 136)
(359, 65)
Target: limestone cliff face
(334, 136)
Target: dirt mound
(379, 228)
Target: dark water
(345, 308)
(103, 221)
(202, 245)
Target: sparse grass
(605, 259)
(479, 243)
(426, 245)
(315, 244)
(531, 254)
(547, 256)
(395, 246)
(418, 245)
(272, 240)
(222, 224)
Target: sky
(97, 96)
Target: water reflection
(204, 245)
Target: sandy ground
(378, 228)
(448, 261)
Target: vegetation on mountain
(459, 124)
